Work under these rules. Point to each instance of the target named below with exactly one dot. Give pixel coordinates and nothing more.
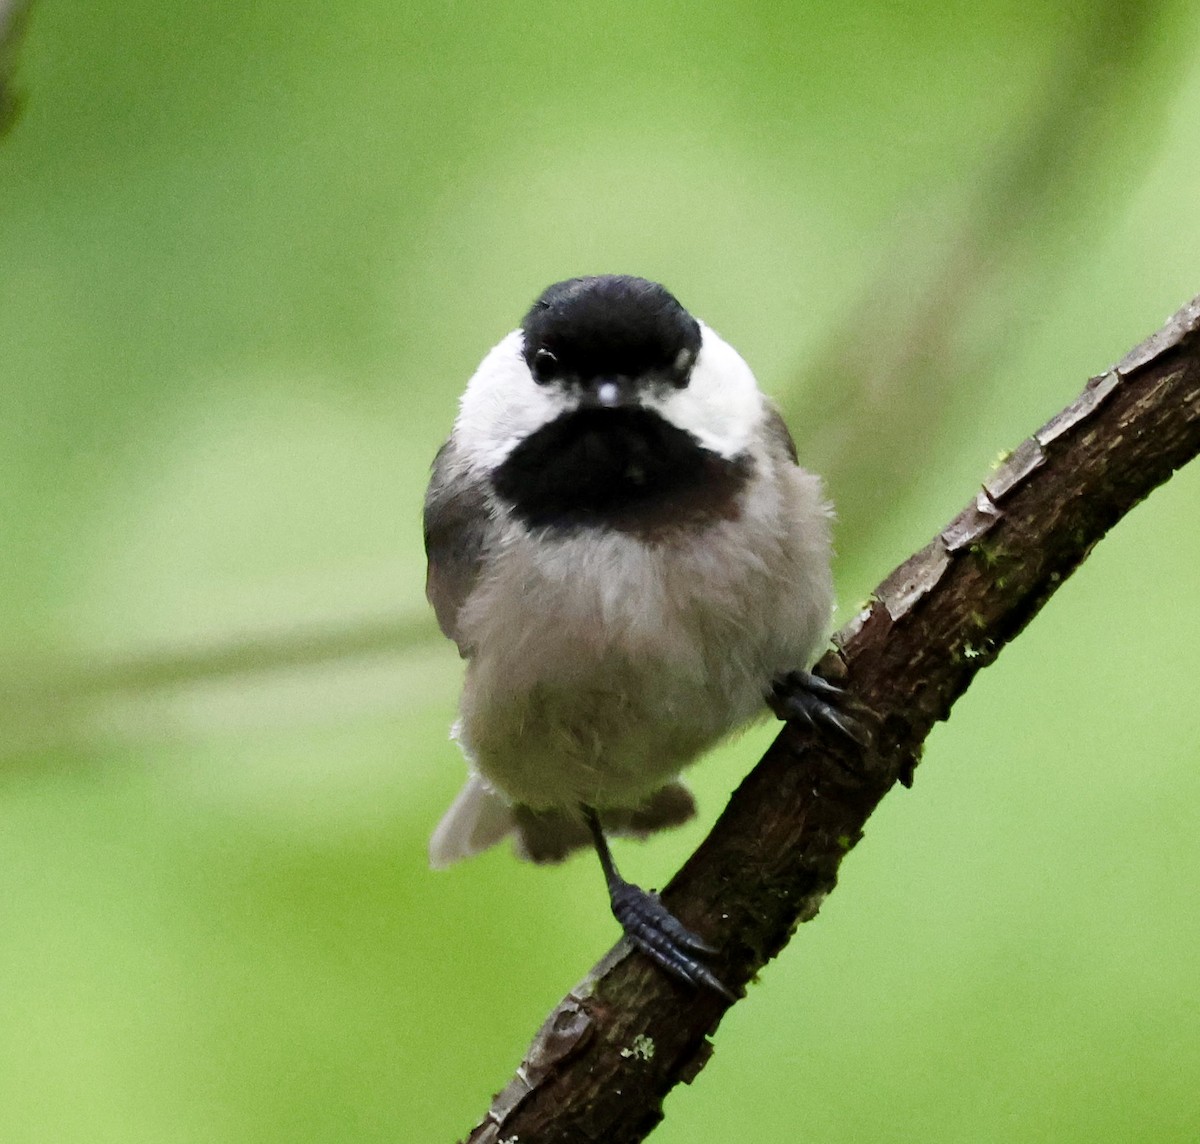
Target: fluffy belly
(599, 666)
(608, 741)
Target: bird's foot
(817, 702)
(660, 935)
(651, 927)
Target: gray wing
(458, 528)
(779, 434)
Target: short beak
(608, 394)
(604, 393)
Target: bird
(634, 566)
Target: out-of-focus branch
(947, 266)
(248, 655)
(44, 704)
(13, 16)
(607, 1056)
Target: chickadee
(628, 556)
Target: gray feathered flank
(458, 525)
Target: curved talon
(660, 935)
(807, 697)
(636, 908)
(652, 928)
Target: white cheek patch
(502, 405)
(721, 406)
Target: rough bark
(602, 1063)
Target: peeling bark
(602, 1063)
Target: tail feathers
(549, 836)
(477, 819)
(480, 817)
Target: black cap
(610, 325)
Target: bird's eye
(545, 365)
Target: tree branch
(602, 1063)
(13, 15)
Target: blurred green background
(250, 253)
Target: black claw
(642, 914)
(651, 927)
(802, 695)
(662, 937)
